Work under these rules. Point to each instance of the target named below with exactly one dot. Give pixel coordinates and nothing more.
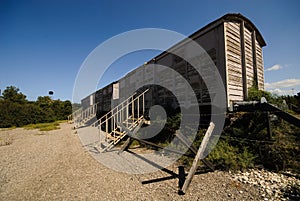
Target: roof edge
(248, 23)
(227, 17)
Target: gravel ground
(53, 165)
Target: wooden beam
(125, 145)
(194, 150)
(161, 147)
(269, 130)
(181, 177)
(198, 157)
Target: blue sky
(44, 43)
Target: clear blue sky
(43, 43)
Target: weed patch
(43, 126)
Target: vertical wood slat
(234, 71)
(254, 58)
(244, 70)
(198, 157)
(249, 59)
(260, 67)
(244, 61)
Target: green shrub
(280, 152)
(227, 157)
(255, 95)
(245, 143)
(17, 111)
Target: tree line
(16, 110)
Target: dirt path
(54, 166)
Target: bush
(245, 143)
(280, 152)
(227, 157)
(17, 111)
(255, 95)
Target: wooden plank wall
(249, 58)
(260, 66)
(233, 61)
(231, 71)
(253, 57)
(85, 103)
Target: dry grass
(43, 126)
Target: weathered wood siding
(237, 39)
(212, 41)
(233, 61)
(260, 66)
(235, 46)
(249, 57)
(86, 102)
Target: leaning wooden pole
(198, 157)
(194, 150)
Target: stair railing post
(118, 116)
(122, 115)
(100, 137)
(114, 122)
(127, 111)
(106, 124)
(143, 103)
(132, 108)
(138, 107)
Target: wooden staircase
(81, 117)
(129, 114)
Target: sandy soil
(53, 165)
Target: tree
(17, 111)
(12, 93)
(44, 101)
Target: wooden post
(106, 124)
(138, 107)
(143, 104)
(127, 115)
(181, 176)
(132, 108)
(125, 145)
(269, 125)
(194, 150)
(197, 158)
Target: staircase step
(111, 137)
(118, 132)
(130, 125)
